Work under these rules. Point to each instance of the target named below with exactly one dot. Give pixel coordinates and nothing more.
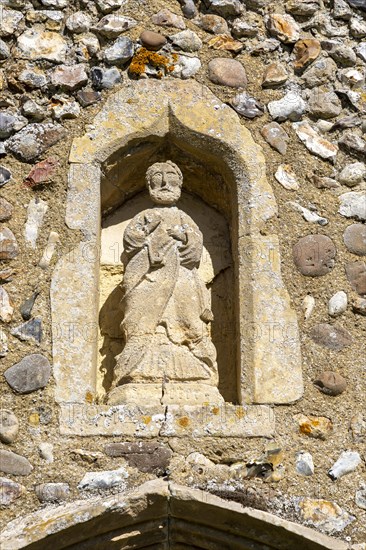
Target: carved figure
(166, 312)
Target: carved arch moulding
(226, 193)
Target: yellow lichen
(145, 57)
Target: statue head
(164, 181)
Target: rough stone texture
(317, 427)
(314, 255)
(52, 492)
(356, 275)
(333, 337)
(146, 457)
(69, 77)
(227, 72)
(12, 463)
(314, 142)
(30, 374)
(324, 515)
(283, 27)
(35, 44)
(35, 139)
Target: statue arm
(191, 250)
(138, 230)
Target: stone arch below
(160, 515)
(187, 121)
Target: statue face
(165, 185)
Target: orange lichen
(183, 422)
(89, 397)
(215, 410)
(240, 412)
(146, 57)
(146, 419)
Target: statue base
(172, 393)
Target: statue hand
(177, 233)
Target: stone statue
(166, 313)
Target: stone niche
(226, 193)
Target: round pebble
(337, 304)
(331, 383)
(227, 72)
(152, 40)
(355, 238)
(314, 255)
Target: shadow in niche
(216, 267)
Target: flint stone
(353, 205)
(359, 305)
(305, 52)
(290, 107)
(120, 52)
(324, 104)
(360, 497)
(357, 28)
(214, 24)
(105, 78)
(360, 50)
(343, 55)
(35, 139)
(4, 50)
(346, 463)
(333, 337)
(146, 457)
(34, 44)
(226, 43)
(188, 8)
(185, 66)
(352, 174)
(274, 75)
(69, 77)
(317, 427)
(356, 275)
(283, 27)
(247, 106)
(11, 463)
(360, 4)
(103, 480)
(55, 4)
(9, 426)
(354, 238)
(65, 109)
(331, 383)
(227, 72)
(225, 8)
(358, 428)
(304, 463)
(6, 210)
(286, 176)
(152, 40)
(27, 306)
(88, 97)
(78, 22)
(324, 515)
(32, 110)
(11, 21)
(341, 10)
(5, 176)
(337, 304)
(322, 71)
(10, 123)
(6, 307)
(30, 374)
(113, 25)
(187, 41)
(275, 136)
(8, 245)
(52, 492)
(106, 6)
(9, 491)
(33, 77)
(166, 18)
(314, 142)
(243, 29)
(302, 7)
(353, 143)
(314, 255)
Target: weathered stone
(360, 50)
(352, 174)
(314, 255)
(88, 46)
(36, 44)
(274, 75)
(10, 123)
(289, 107)
(187, 40)
(353, 205)
(87, 456)
(341, 10)
(333, 337)
(318, 427)
(212, 23)
(314, 142)
(63, 108)
(55, 4)
(35, 139)
(283, 27)
(243, 29)
(322, 182)
(11, 463)
(343, 55)
(30, 374)
(166, 18)
(8, 244)
(31, 109)
(88, 97)
(286, 176)
(106, 6)
(331, 383)
(337, 304)
(356, 275)
(227, 72)
(354, 238)
(321, 71)
(186, 66)
(105, 78)
(226, 43)
(304, 463)
(120, 52)
(359, 305)
(52, 492)
(324, 515)
(9, 491)
(52, 19)
(5, 176)
(69, 77)
(146, 457)
(346, 463)
(78, 22)
(247, 106)
(33, 77)
(27, 306)
(6, 210)
(152, 40)
(302, 7)
(6, 308)
(36, 211)
(103, 480)
(31, 330)
(4, 50)
(225, 8)
(276, 136)
(11, 22)
(188, 8)
(42, 172)
(357, 28)
(324, 104)
(9, 426)
(305, 52)
(112, 26)
(353, 143)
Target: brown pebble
(355, 238)
(306, 51)
(331, 383)
(6, 210)
(356, 275)
(227, 72)
(333, 337)
(276, 136)
(314, 255)
(274, 75)
(152, 40)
